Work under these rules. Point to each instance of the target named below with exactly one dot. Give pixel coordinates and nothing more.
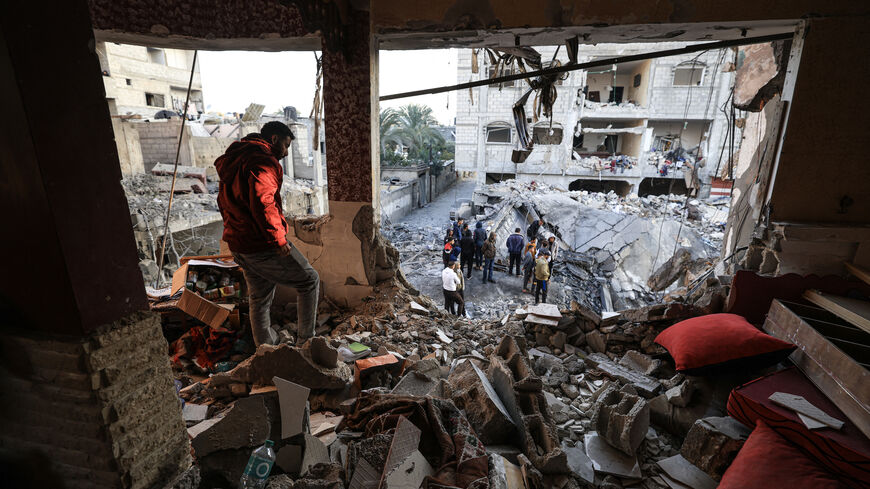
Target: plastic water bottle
(258, 468)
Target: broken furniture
(845, 452)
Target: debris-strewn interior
(693, 175)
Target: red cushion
(768, 460)
(718, 342)
(844, 452)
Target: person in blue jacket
(515, 244)
(479, 239)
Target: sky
(231, 80)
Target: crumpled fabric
(448, 441)
(203, 345)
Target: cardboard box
(194, 304)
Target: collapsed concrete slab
(621, 418)
(289, 363)
(245, 424)
(644, 384)
(472, 392)
(712, 443)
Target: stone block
(245, 424)
(644, 364)
(289, 363)
(680, 395)
(712, 443)
(323, 353)
(621, 418)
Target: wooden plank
(860, 272)
(800, 405)
(841, 379)
(855, 311)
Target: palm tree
(414, 128)
(389, 124)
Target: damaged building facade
(89, 399)
(615, 127)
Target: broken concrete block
(579, 462)
(680, 395)
(410, 473)
(622, 419)
(323, 353)
(595, 340)
(680, 470)
(673, 381)
(417, 384)
(644, 364)
(570, 390)
(472, 392)
(418, 309)
(644, 384)
(293, 399)
(238, 389)
(290, 363)
(194, 412)
(712, 443)
(245, 424)
(608, 460)
(558, 340)
(315, 452)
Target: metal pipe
(174, 175)
(694, 48)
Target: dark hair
(517, 230)
(276, 128)
(451, 263)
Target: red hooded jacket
(249, 196)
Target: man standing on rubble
(479, 239)
(553, 247)
(449, 281)
(542, 275)
(249, 198)
(515, 243)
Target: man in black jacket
(466, 259)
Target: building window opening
(619, 187)
(662, 186)
(156, 56)
(502, 71)
(546, 135)
(690, 75)
(498, 134)
(154, 100)
(616, 95)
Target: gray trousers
(263, 271)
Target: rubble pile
(610, 247)
(397, 390)
(148, 196)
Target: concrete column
(349, 254)
(86, 392)
(70, 257)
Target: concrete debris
(579, 462)
(640, 362)
(712, 444)
(315, 452)
(622, 419)
(680, 395)
(680, 470)
(608, 460)
(194, 412)
(474, 393)
(292, 364)
(323, 353)
(647, 386)
(245, 424)
(293, 400)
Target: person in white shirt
(449, 281)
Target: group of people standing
(476, 250)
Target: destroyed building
(754, 375)
(613, 127)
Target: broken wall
(159, 142)
(129, 149)
(102, 409)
